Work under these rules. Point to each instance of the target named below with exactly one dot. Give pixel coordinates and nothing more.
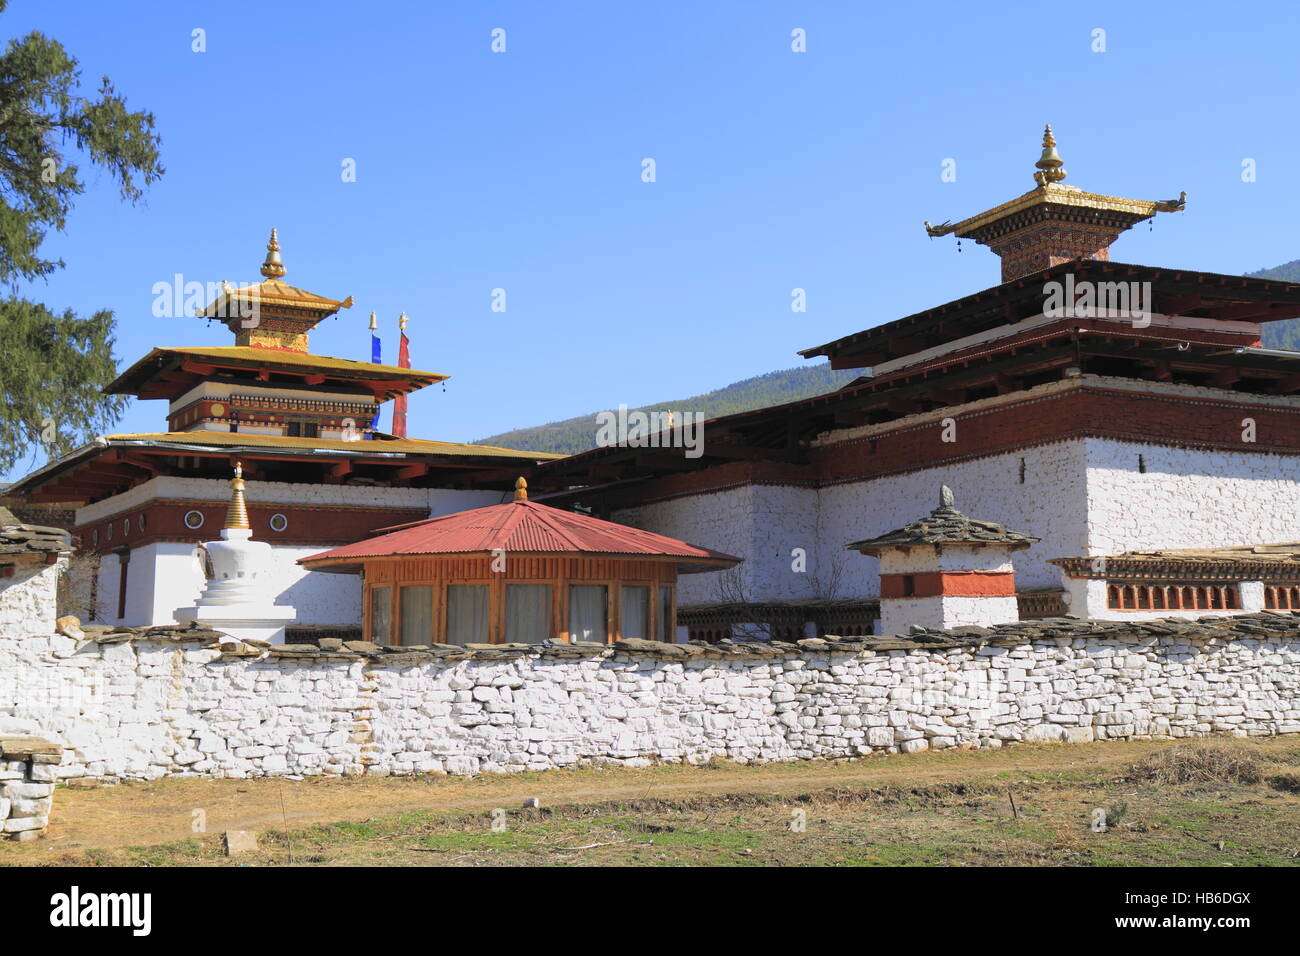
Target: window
(667, 626)
(1174, 597)
(528, 613)
(467, 613)
(909, 585)
(381, 615)
(417, 614)
(588, 613)
(634, 612)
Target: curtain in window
(528, 613)
(417, 614)
(634, 612)
(667, 626)
(588, 613)
(467, 613)
(381, 614)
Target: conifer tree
(54, 365)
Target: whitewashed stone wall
(1187, 498)
(147, 707)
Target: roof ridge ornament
(1051, 166)
(946, 499)
(521, 489)
(272, 267)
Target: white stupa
(237, 599)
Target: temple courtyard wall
(144, 703)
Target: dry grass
(1206, 762)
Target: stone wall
(29, 767)
(138, 704)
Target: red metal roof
(525, 527)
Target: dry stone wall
(167, 701)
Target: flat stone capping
(1236, 627)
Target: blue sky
(775, 170)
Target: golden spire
(237, 513)
(1050, 163)
(401, 321)
(272, 267)
(521, 490)
(374, 324)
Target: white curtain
(588, 613)
(528, 613)
(381, 611)
(417, 614)
(467, 613)
(634, 612)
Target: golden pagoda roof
(1052, 192)
(272, 291)
(161, 359)
(375, 446)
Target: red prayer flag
(399, 403)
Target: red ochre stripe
(949, 584)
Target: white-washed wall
(1187, 498)
(153, 707)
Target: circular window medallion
(194, 520)
(279, 522)
(218, 409)
(126, 527)
(140, 521)
(109, 526)
(94, 537)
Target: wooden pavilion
(518, 572)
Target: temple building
(304, 427)
(1099, 406)
(520, 572)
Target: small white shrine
(238, 598)
(946, 570)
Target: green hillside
(775, 388)
(1282, 335)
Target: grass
(1212, 803)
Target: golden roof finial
(374, 322)
(1050, 164)
(401, 321)
(272, 267)
(237, 513)
(521, 490)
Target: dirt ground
(1024, 804)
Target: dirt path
(165, 810)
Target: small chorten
(946, 570)
(238, 599)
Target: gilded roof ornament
(272, 267)
(1051, 166)
(401, 321)
(237, 512)
(521, 490)
(374, 322)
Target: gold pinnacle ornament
(272, 267)
(1050, 163)
(521, 490)
(237, 513)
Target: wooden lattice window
(1173, 597)
(1282, 597)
